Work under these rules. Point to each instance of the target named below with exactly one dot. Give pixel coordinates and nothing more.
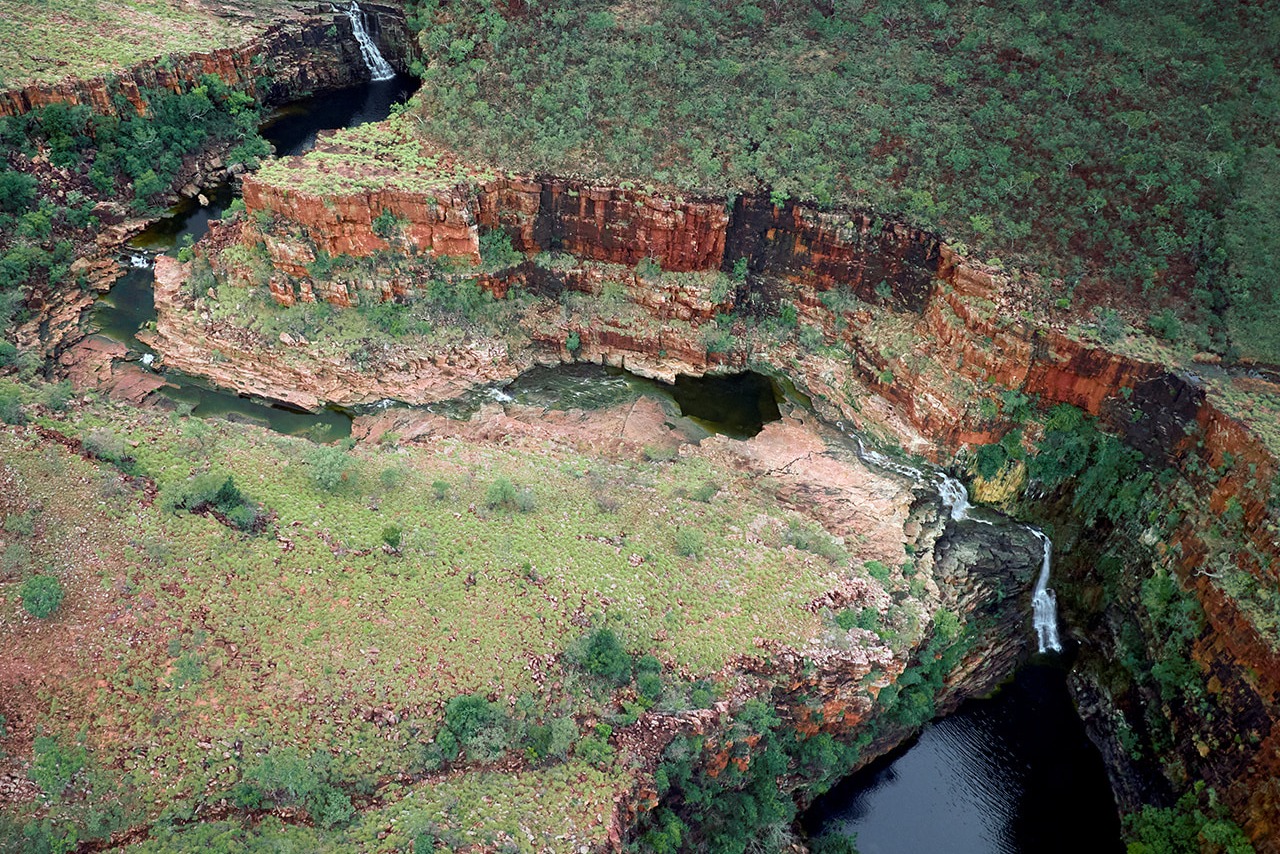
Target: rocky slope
(928, 335)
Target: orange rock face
(304, 57)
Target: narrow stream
(1010, 774)
(130, 305)
(1013, 774)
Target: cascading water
(954, 495)
(379, 68)
(1044, 604)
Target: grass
(112, 36)
(221, 645)
(374, 156)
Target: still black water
(1010, 774)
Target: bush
(41, 595)
(502, 493)
(54, 766)
(214, 491)
(476, 725)
(385, 224)
(603, 655)
(689, 543)
(391, 535)
(393, 477)
(104, 445)
(441, 489)
(330, 467)
(11, 405)
(705, 492)
(496, 251)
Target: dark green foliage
(602, 655)
(1196, 824)
(386, 224)
(1252, 240)
(505, 495)
(114, 154)
(552, 740)
(391, 536)
(834, 843)
(476, 725)
(17, 191)
(1110, 479)
(217, 492)
(285, 777)
(11, 405)
(496, 251)
(330, 466)
(1176, 620)
(41, 595)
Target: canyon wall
(929, 336)
(289, 60)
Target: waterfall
(379, 68)
(1044, 604)
(139, 260)
(952, 492)
(954, 495)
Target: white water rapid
(139, 261)
(379, 68)
(1044, 604)
(954, 495)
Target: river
(1013, 774)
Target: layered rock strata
(930, 334)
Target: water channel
(1013, 774)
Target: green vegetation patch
(374, 156)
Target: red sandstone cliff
(934, 334)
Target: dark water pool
(735, 405)
(1011, 774)
(292, 129)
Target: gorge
(640, 520)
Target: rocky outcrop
(302, 57)
(930, 334)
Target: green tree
(41, 595)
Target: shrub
(477, 725)
(705, 492)
(330, 467)
(21, 523)
(496, 251)
(385, 224)
(441, 489)
(648, 268)
(57, 395)
(54, 765)
(813, 538)
(502, 493)
(11, 405)
(1166, 325)
(878, 571)
(41, 595)
(393, 477)
(214, 491)
(391, 535)
(689, 543)
(104, 445)
(602, 655)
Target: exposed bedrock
(930, 335)
(290, 59)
